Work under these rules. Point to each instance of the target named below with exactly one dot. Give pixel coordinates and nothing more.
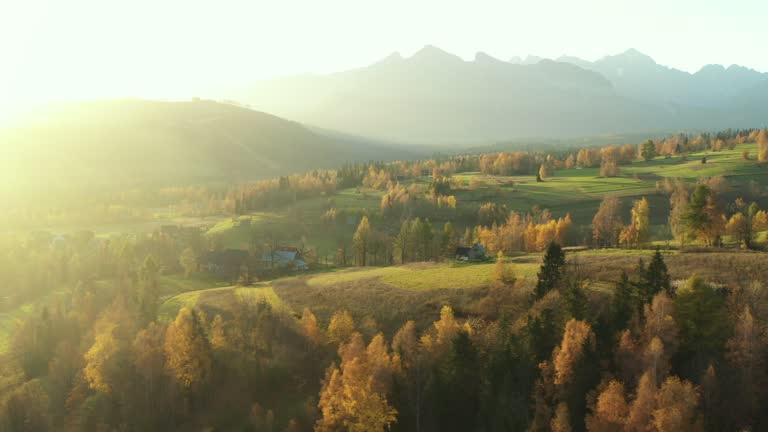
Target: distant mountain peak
(574, 60)
(395, 57)
(636, 56)
(744, 69)
(711, 69)
(528, 60)
(481, 57)
(431, 53)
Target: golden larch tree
(762, 145)
(561, 422)
(611, 409)
(676, 403)
(187, 352)
(341, 326)
(576, 336)
(641, 410)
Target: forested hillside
(133, 142)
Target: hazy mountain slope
(639, 77)
(437, 97)
(125, 141)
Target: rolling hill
(138, 141)
(437, 97)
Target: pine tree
(543, 334)
(648, 150)
(459, 385)
(623, 304)
(655, 279)
(701, 316)
(695, 218)
(551, 271)
(575, 300)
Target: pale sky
(81, 49)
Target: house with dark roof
(284, 257)
(474, 253)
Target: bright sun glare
(85, 49)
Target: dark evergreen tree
(701, 315)
(551, 272)
(543, 334)
(575, 300)
(147, 293)
(459, 379)
(507, 384)
(623, 304)
(657, 278)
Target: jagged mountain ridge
(437, 97)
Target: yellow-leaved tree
(362, 240)
(107, 360)
(762, 145)
(341, 327)
(310, 328)
(637, 232)
(354, 396)
(187, 352)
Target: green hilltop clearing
(577, 191)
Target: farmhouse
(284, 257)
(225, 263)
(474, 253)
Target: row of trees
(417, 239)
(698, 214)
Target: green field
(574, 191)
(453, 276)
(218, 299)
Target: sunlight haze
(80, 49)
(383, 216)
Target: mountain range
(638, 76)
(438, 98)
(432, 97)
